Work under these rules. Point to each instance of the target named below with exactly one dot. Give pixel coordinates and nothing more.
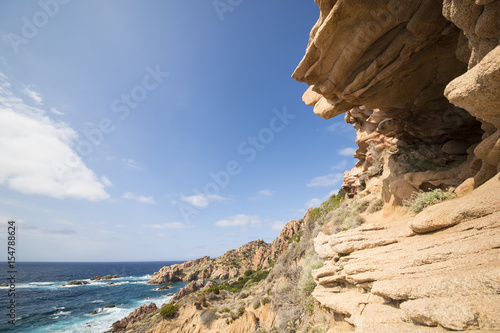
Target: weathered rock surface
(137, 315)
(188, 289)
(387, 277)
(4, 285)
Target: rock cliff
(420, 81)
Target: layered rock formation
(388, 64)
(387, 277)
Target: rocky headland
(412, 241)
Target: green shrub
(241, 311)
(266, 300)
(362, 206)
(248, 272)
(169, 310)
(256, 304)
(376, 206)
(419, 201)
(225, 309)
(306, 282)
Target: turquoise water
(44, 305)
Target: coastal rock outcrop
(76, 283)
(229, 265)
(188, 289)
(137, 315)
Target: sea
(43, 304)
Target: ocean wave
(59, 314)
(97, 301)
(58, 307)
(41, 283)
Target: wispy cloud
(105, 180)
(168, 225)
(340, 166)
(35, 151)
(339, 128)
(348, 151)
(314, 202)
(34, 95)
(201, 200)
(56, 111)
(240, 220)
(263, 194)
(278, 225)
(131, 164)
(326, 181)
(138, 198)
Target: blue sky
(158, 130)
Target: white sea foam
(97, 301)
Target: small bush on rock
(169, 310)
(419, 201)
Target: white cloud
(348, 151)
(325, 181)
(315, 202)
(128, 195)
(105, 180)
(37, 153)
(131, 164)
(340, 166)
(266, 193)
(239, 220)
(278, 225)
(338, 127)
(56, 111)
(169, 225)
(201, 200)
(143, 199)
(138, 198)
(263, 194)
(34, 95)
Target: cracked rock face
(386, 277)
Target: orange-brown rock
(137, 315)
